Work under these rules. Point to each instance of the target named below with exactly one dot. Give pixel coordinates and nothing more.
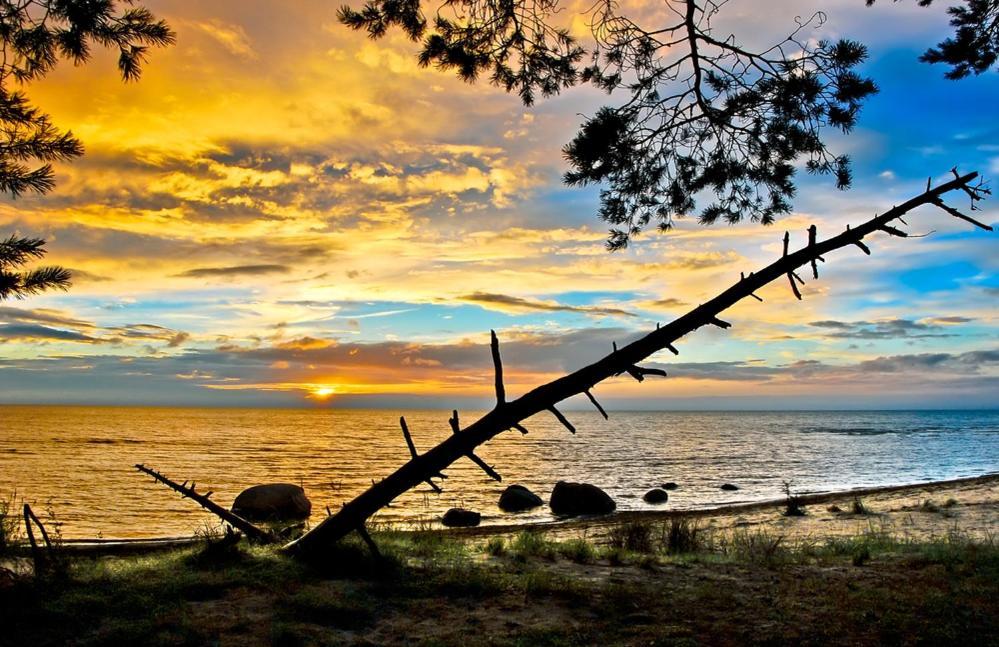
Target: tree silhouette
(15, 252)
(974, 47)
(35, 35)
(703, 114)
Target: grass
(11, 530)
(634, 536)
(664, 583)
(681, 535)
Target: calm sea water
(79, 459)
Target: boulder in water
(272, 502)
(461, 518)
(571, 499)
(518, 498)
(728, 487)
(669, 486)
(656, 495)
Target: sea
(75, 465)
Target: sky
(284, 213)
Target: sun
(323, 392)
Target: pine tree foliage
(974, 47)
(511, 40)
(35, 35)
(16, 283)
(708, 118)
(702, 118)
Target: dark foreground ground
(663, 583)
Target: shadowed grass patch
(328, 607)
(681, 534)
(748, 586)
(532, 544)
(635, 536)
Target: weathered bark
(250, 530)
(509, 415)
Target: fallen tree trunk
(252, 532)
(509, 415)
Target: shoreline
(731, 515)
(815, 498)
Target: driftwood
(42, 559)
(422, 468)
(253, 532)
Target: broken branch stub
(510, 415)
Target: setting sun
(322, 392)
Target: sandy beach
(890, 565)
(916, 511)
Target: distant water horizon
(483, 404)
(79, 459)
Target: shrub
(577, 550)
(532, 544)
(496, 546)
(858, 507)
(758, 547)
(682, 535)
(11, 530)
(861, 555)
(635, 536)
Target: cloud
(306, 343)
(930, 363)
(28, 326)
(663, 304)
(464, 369)
(43, 316)
(37, 333)
(234, 270)
(232, 37)
(888, 328)
(949, 320)
(81, 276)
(507, 303)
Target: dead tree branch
(509, 415)
(42, 560)
(250, 530)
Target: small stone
(669, 486)
(728, 487)
(656, 495)
(461, 518)
(518, 498)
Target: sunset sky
(285, 213)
